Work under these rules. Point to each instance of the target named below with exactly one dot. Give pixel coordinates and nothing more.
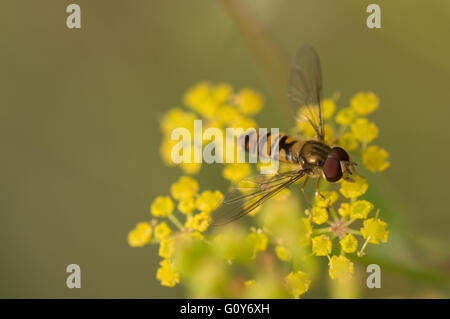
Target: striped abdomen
(278, 146)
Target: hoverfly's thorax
(315, 153)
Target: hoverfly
(311, 157)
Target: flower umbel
(277, 256)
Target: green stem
(176, 222)
(321, 230)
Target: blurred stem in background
(275, 63)
(268, 54)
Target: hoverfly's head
(338, 165)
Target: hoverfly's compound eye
(332, 170)
(339, 153)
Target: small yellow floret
(340, 268)
(354, 189)
(140, 235)
(349, 243)
(319, 215)
(364, 103)
(297, 283)
(162, 206)
(167, 274)
(374, 158)
(375, 229)
(364, 130)
(360, 209)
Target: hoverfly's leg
(303, 191)
(317, 187)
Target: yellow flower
(319, 215)
(167, 274)
(360, 209)
(185, 187)
(282, 195)
(140, 235)
(321, 245)
(283, 253)
(329, 108)
(162, 206)
(375, 229)
(364, 131)
(176, 118)
(249, 283)
(186, 205)
(243, 122)
(364, 103)
(167, 247)
(200, 222)
(162, 230)
(258, 241)
(249, 101)
(191, 168)
(305, 231)
(165, 150)
(197, 94)
(344, 209)
(208, 201)
(297, 283)
(348, 142)
(221, 92)
(346, 116)
(374, 158)
(354, 189)
(340, 268)
(329, 134)
(327, 199)
(236, 172)
(227, 114)
(349, 243)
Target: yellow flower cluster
(235, 262)
(218, 106)
(194, 206)
(339, 220)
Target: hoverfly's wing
(305, 89)
(242, 200)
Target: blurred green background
(80, 136)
